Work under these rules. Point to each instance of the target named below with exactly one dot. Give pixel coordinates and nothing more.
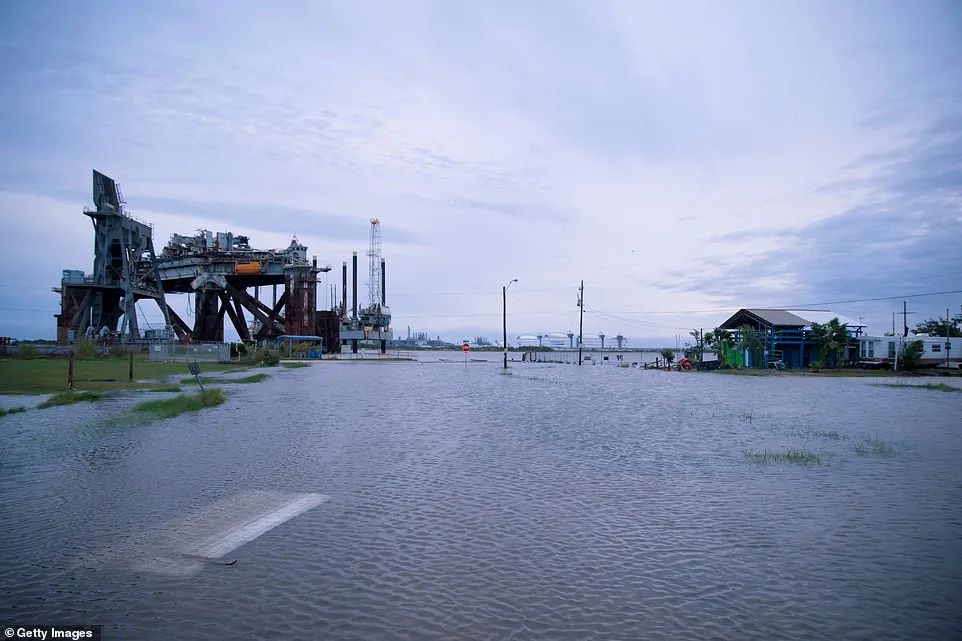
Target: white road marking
(181, 547)
(225, 541)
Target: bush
(239, 350)
(911, 355)
(271, 359)
(84, 348)
(249, 356)
(26, 352)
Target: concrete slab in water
(181, 547)
(264, 517)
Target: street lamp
(504, 318)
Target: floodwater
(437, 501)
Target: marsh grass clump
(938, 387)
(170, 407)
(67, 398)
(253, 378)
(751, 416)
(12, 410)
(831, 435)
(295, 365)
(876, 446)
(798, 457)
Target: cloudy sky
(684, 159)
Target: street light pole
(581, 318)
(504, 318)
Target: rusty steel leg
(207, 316)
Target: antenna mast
(374, 269)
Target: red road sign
(465, 347)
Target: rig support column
(354, 298)
(383, 299)
(343, 305)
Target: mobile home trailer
(882, 351)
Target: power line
(870, 300)
(792, 306)
(636, 322)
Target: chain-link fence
(202, 352)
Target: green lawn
(45, 375)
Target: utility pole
(504, 318)
(581, 318)
(905, 319)
(948, 343)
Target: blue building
(786, 334)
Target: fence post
(130, 370)
(70, 371)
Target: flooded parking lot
(438, 501)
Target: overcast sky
(684, 159)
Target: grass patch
(253, 378)
(68, 398)
(831, 435)
(12, 410)
(48, 375)
(295, 365)
(877, 447)
(938, 387)
(164, 388)
(170, 407)
(798, 457)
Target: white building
(882, 350)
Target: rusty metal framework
(103, 303)
(218, 269)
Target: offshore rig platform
(218, 270)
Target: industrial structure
(218, 270)
(125, 271)
(373, 322)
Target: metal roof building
(786, 333)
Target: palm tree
(831, 338)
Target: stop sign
(465, 347)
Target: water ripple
(557, 503)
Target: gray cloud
(904, 238)
(281, 217)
